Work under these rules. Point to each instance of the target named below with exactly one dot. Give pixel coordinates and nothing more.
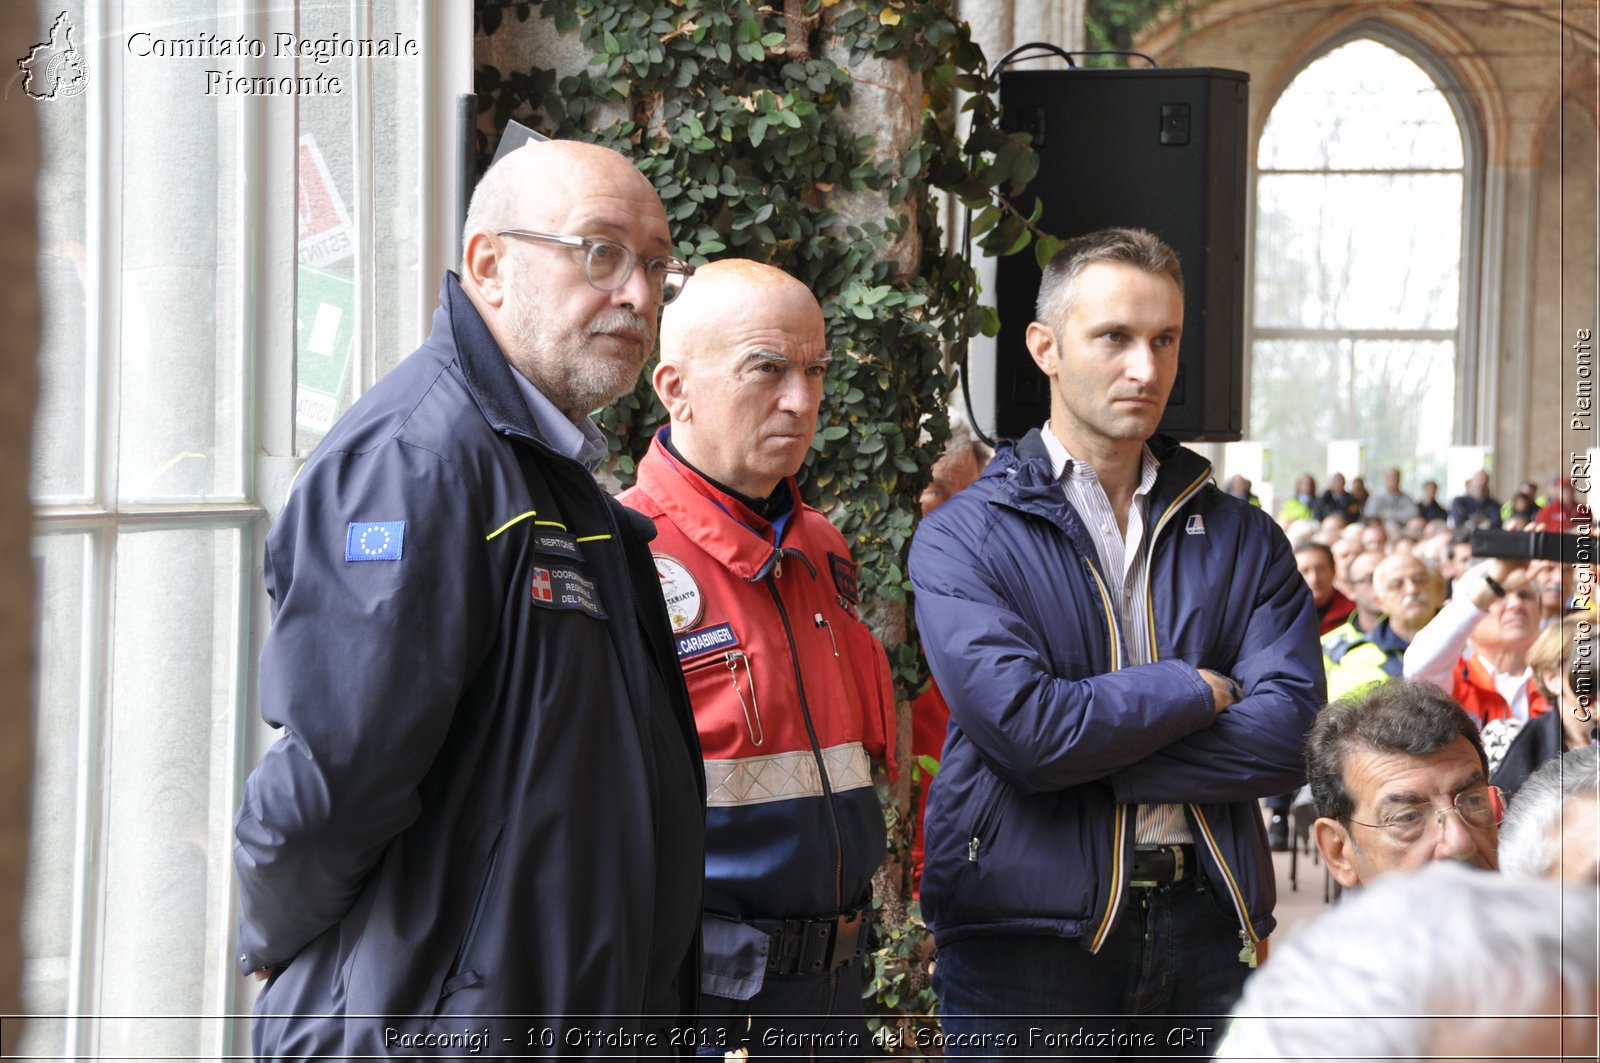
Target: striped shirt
(1125, 565)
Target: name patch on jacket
(564, 587)
(844, 581)
(374, 540)
(692, 644)
(562, 544)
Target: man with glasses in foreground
(1399, 779)
(482, 828)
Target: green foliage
(1112, 25)
(739, 114)
(735, 112)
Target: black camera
(1533, 546)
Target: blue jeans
(1162, 985)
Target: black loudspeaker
(1157, 149)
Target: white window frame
(265, 171)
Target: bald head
(534, 186)
(724, 297)
(581, 347)
(743, 359)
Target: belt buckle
(1173, 851)
(845, 948)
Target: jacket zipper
(980, 829)
(1247, 932)
(816, 754)
(476, 918)
(1118, 828)
(816, 744)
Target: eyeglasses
(1477, 808)
(608, 265)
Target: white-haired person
(1552, 829)
(1441, 963)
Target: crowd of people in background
(1399, 595)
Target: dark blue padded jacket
(487, 807)
(1053, 740)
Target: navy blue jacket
(1053, 740)
(488, 796)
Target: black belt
(815, 946)
(1157, 865)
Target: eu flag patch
(374, 540)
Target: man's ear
(1333, 841)
(483, 268)
(1041, 341)
(672, 389)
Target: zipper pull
(1247, 955)
(823, 623)
(972, 850)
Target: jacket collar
(459, 334)
(720, 525)
(1027, 482)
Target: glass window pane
(63, 446)
(1362, 106)
(1358, 250)
(1396, 396)
(336, 208)
(168, 794)
(396, 222)
(180, 405)
(64, 571)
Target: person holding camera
(1477, 646)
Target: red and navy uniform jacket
(1473, 688)
(784, 680)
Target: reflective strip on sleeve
(782, 776)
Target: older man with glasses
(1399, 779)
(482, 827)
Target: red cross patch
(541, 586)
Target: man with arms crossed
(791, 691)
(484, 816)
(1131, 662)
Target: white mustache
(620, 320)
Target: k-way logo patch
(1196, 525)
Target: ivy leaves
(739, 114)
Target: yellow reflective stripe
(592, 538)
(1227, 873)
(518, 519)
(550, 524)
(1116, 883)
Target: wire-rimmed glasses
(1478, 808)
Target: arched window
(1362, 183)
